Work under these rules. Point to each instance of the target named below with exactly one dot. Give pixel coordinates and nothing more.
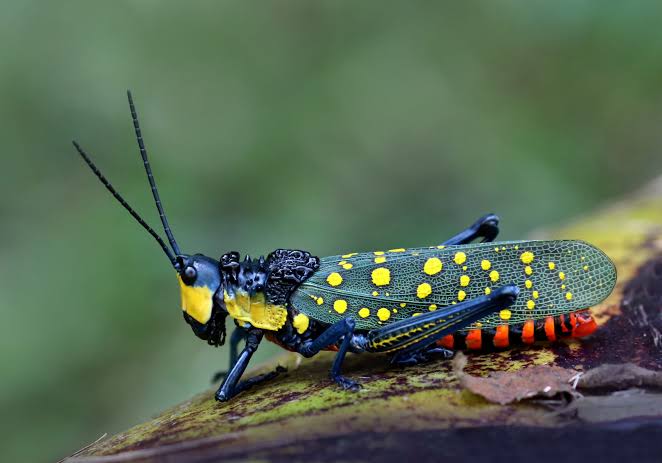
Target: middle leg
(343, 329)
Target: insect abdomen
(573, 325)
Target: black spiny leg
(411, 340)
(487, 227)
(236, 337)
(231, 385)
(342, 329)
(421, 356)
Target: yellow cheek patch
(196, 301)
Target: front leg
(343, 329)
(487, 227)
(230, 386)
(236, 337)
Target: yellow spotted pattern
(527, 257)
(460, 258)
(340, 305)
(334, 279)
(552, 277)
(423, 290)
(381, 276)
(433, 266)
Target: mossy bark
(301, 410)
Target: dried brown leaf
(507, 387)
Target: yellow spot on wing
(505, 314)
(568, 296)
(375, 293)
(340, 305)
(381, 276)
(364, 312)
(320, 300)
(347, 256)
(530, 304)
(300, 323)
(441, 247)
(380, 260)
(494, 276)
(433, 266)
(528, 284)
(334, 279)
(397, 250)
(460, 258)
(347, 266)
(562, 275)
(526, 257)
(383, 314)
(464, 280)
(486, 265)
(487, 291)
(378, 253)
(432, 307)
(461, 295)
(551, 265)
(535, 294)
(528, 270)
(423, 290)
(585, 268)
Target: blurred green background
(331, 126)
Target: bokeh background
(331, 126)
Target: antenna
(123, 202)
(150, 176)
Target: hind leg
(423, 356)
(486, 227)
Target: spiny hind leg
(413, 339)
(428, 354)
(486, 227)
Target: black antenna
(126, 206)
(150, 176)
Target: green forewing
(554, 277)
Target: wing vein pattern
(382, 287)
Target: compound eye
(189, 275)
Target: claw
(347, 384)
